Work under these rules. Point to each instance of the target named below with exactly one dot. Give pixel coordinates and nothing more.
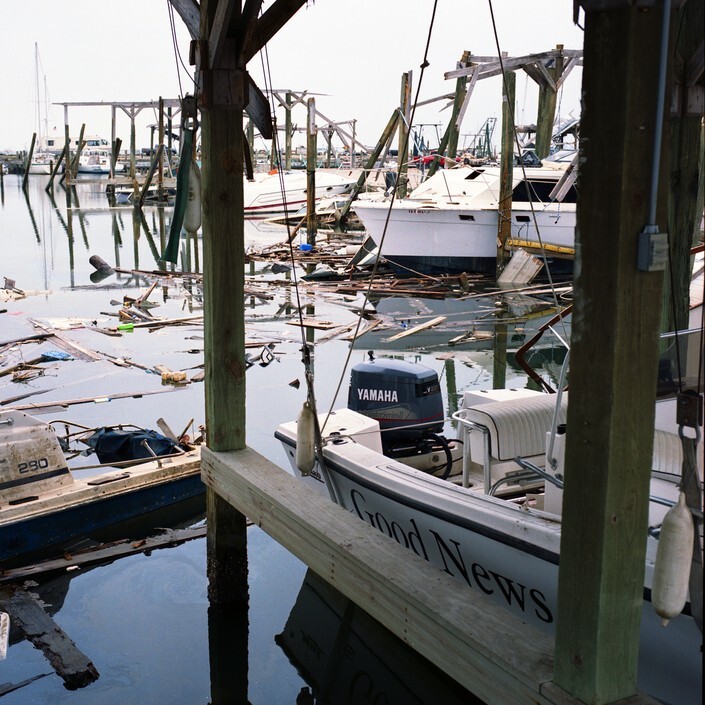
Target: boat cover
(115, 445)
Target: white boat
(43, 162)
(277, 192)
(489, 522)
(45, 504)
(96, 157)
(449, 223)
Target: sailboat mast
(36, 79)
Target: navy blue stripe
(33, 478)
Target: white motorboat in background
(449, 223)
(277, 192)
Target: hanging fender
(673, 558)
(305, 434)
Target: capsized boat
(44, 503)
(493, 524)
(448, 224)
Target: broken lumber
(69, 663)
(422, 326)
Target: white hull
(277, 193)
(496, 547)
(451, 225)
(39, 168)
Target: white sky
(352, 51)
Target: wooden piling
(311, 158)
(28, 163)
(613, 375)
(504, 206)
(404, 127)
(384, 139)
(55, 170)
(548, 93)
(77, 156)
(222, 139)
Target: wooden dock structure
(593, 657)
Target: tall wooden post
(287, 132)
(224, 326)
(113, 138)
(251, 140)
(404, 127)
(385, 138)
(460, 92)
(614, 358)
(547, 107)
(449, 141)
(311, 154)
(79, 148)
(28, 164)
(133, 148)
(66, 176)
(169, 130)
(160, 174)
(504, 207)
(352, 146)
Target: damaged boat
(47, 499)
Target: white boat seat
(668, 453)
(518, 427)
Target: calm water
(143, 620)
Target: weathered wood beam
(268, 25)
(221, 31)
(539, 73)
(490, 66)
(247, 26)
(258, 109)
(70, 664)
(190, 12)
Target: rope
(380, 246)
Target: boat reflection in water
(347, 657)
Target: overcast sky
(350, 52)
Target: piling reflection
(345, 656)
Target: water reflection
(345, 656)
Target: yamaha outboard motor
(405, 399)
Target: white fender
(674, 555)
(192, 214)
(305, 447)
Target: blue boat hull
(58, 528)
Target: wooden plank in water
(313, 323)
(103, 552)
(522, 268)
(422, 326)
(70, 664)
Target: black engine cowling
(404, 398)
